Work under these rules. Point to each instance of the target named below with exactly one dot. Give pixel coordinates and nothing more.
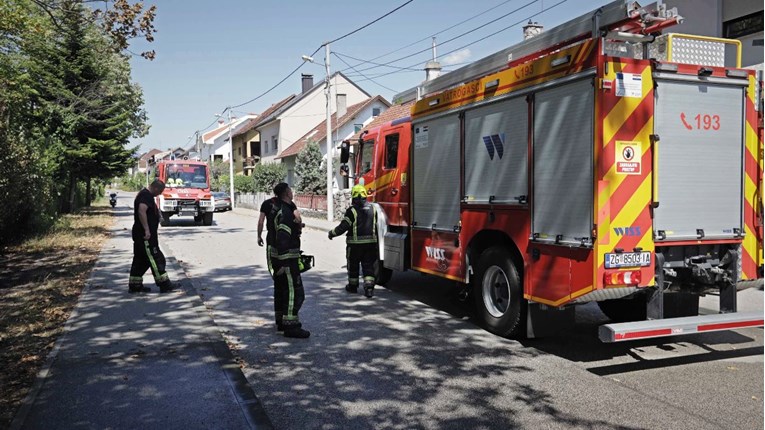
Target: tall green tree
(311, 179)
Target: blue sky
(213, 54)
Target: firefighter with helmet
(360, 223)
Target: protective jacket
(360, 221)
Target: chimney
(342, 106)
(307, 82)
(220, 122)
(432, 67)
(531, 29)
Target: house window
(376, 111)
(239, 151)
(391, 151)
(274, 143)
(357, 127)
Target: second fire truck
(603, 162)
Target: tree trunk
(69, 203)
(87, 193)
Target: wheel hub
(495, 290)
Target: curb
(249, 403)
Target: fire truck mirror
(345, 151)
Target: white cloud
(460, 56)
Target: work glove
(330, 235)
(260, 241)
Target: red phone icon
(685, 123)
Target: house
(291, 121)
(215, 144)
(144, 159)
(247, 147)
(345, 122)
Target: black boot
(170, 286)
(352, 288)
(132, 289)
(369, 292)
(297, 332)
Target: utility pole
(330, 197)
(231, 161)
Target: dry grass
(40, 282)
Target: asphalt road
(412, 358)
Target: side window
(367, 154)
(391, 151)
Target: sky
(214, 54)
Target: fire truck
(187, 190)
(600, 161)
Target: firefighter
(146, 252)
(285, 257)
(360, 222)
(268, 217)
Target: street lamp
(330, 200)
(230, 160)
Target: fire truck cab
(187, 190)
(604, 162)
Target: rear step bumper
(678, 326)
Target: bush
(266, 175)
(244, 184)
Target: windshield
(186, 176)
(367, 154)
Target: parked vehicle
(187, 190)
(113, 199)
(601, 163)
(222, 201)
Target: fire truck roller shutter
(563, 163)
(700, 158)
(496, 152)
(436, 173)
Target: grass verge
(40, 282)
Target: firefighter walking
(146, 252)
(285, 258)
(360, 223)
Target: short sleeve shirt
(152, 215)
(269, 208)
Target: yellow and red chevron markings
(752, 247)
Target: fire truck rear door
(700, 157)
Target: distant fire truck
(187, 190)
(603, 162)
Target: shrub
(266, 175)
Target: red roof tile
(393, 113)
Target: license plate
(628, 259)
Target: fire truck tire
(497, 293)
(207, 218)
(625, 310)
(382, 274)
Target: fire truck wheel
(497, 293)
(382, 274)
(625, 310)
(207, 218)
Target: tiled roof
(319, 132)
(249, 125)
(210, 134)
(394, 112)
(269, 113)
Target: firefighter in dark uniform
(285, 256)
(146, 252)
(360, 222)
(268, 210)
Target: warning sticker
(628, 155)
(421, 137)
(629, 85)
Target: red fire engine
(187, 190)
(604, 162)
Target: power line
(440, 32)
(485, 37)
(458, 36)
(368, 78)
(367, 25)
(370, 62)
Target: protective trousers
(288, 292)
(366, 255)
(147, 256)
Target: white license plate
(628, 259)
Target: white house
(215, 144)
(287, 124)
(345, 122)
